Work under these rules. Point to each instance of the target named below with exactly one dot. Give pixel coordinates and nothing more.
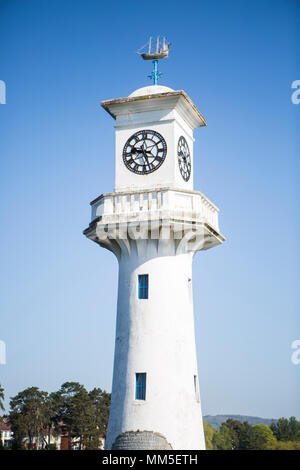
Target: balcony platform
(184, 212)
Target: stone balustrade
(147, 204)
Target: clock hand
(146, 158)
(150, 146)
(182, 156)
(139, 150)
(143, 151)
(136, 151)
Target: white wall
(156, 336)
(171, 126)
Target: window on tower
(196, 388)
(140, 386)
(143, 286)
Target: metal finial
(155, 74)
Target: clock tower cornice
(177, 100)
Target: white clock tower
(154, 222)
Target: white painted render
(155, 335)
(171, 126)
(156, 204)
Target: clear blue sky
(236, 60)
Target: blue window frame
(140, 386)
(143, 286)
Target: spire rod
(155, 74)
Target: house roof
(4, 426)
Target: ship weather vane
(161, 52)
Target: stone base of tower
(141, 440)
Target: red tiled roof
(4, 427)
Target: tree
(100, 401)
(54, 428)
(29, 417)
(209, 432)
(36, 415)
(262, 435)
(235, 430)
(242, 434)
(286, 430)
(281, 429)
(294, 429)
(246, 437)
(70, 408)
(222, 440)
(283, 445)
(84, 414)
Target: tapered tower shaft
(154, 223)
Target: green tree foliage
(29, 416)
(36, 415)
(222, 440)
(209, 432)
(54, 427)
(76, 412)
(100, 402)
(85, 414)
(246, 437)
(236, 435)
(286, 429)
(242, 436)
(235, 428)
(261, 436)
(283, 445)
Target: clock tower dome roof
(150, 90)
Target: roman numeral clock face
(144, 152)
(184, 158)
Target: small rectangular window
(140, 386)
(143, 286)
(196, 388)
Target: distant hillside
(217, 420)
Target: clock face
(144, 152)
(184, 158)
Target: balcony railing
(148, 204)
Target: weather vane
(160, 53)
